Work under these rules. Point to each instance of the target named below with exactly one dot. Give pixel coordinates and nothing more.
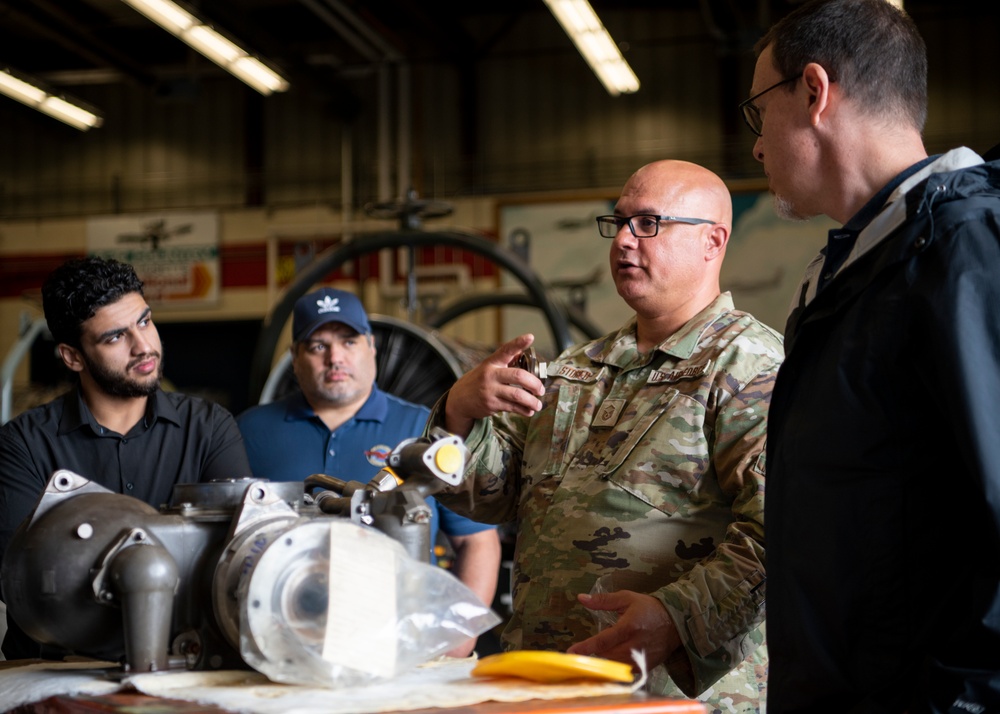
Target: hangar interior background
(478, 117)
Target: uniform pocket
(663, 457)
(551, 431)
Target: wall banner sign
(175, 254)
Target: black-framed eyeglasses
(642, 225)
(751, 114)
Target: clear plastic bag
(603, 586)
(335, 604)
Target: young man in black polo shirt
(116, 427)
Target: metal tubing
(468, 303)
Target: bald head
(669, 277)
(689, 189)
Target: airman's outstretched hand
(492, 387)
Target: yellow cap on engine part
(448, 458)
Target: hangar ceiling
(317, 44)
(331, 52)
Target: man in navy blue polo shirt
(341, 424)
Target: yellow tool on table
(544, 666)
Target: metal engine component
(528, 361)
(400, 513)
(106, 575)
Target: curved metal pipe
(146, 578)
(334, 257)
(17, 353)
(475, 302)
(324, 481)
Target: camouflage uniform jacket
(647, 469)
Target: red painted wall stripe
(241, 266)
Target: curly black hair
(75, 290)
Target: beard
(335, 394)
(119, 384)
(786, 210)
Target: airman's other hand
(643, 624)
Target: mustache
(142, 358)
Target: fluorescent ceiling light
(30, 93)
(587, 31)
(231, 57)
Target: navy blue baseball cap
(328, 305)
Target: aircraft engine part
(50, 572)
(106, 575)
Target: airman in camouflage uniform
(641, 465)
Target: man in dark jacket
(883, 506)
